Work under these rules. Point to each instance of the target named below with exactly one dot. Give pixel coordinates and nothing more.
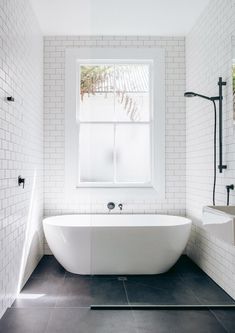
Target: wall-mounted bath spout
(219, 98)
(111, 205)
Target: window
(114, 120)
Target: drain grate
(122, 278)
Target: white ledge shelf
(220, 221)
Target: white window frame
(153, 56)
(150, 122)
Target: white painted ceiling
(117, 17)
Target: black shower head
(189, 94)
(193, 94)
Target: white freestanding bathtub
(117, 244)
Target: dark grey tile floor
(54, 300)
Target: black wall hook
(10, 99)
(21, 181)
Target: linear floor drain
(161, 307)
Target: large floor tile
(83, 291)
(78, 320)
(164, 291)
(108, 291)
(75, 292)
(227, 318)
(25, 320)
(39, 292)
(177, 321)
(207, 291)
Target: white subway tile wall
(208, 56)
(21, 146)
(54, 89)
(189, 170)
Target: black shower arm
(215, 98)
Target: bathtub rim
(53, 221)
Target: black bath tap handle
(120, 206)
(21, 181)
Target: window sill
(104, 186)
(86, 194)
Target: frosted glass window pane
(133, 153)
(96, 93)
(96, 152)
(135, 107)
(132, 92)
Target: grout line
(48, 320)
(55, 305)
(127, 298)
(219, 321)
(190, 288)
(130, 307)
